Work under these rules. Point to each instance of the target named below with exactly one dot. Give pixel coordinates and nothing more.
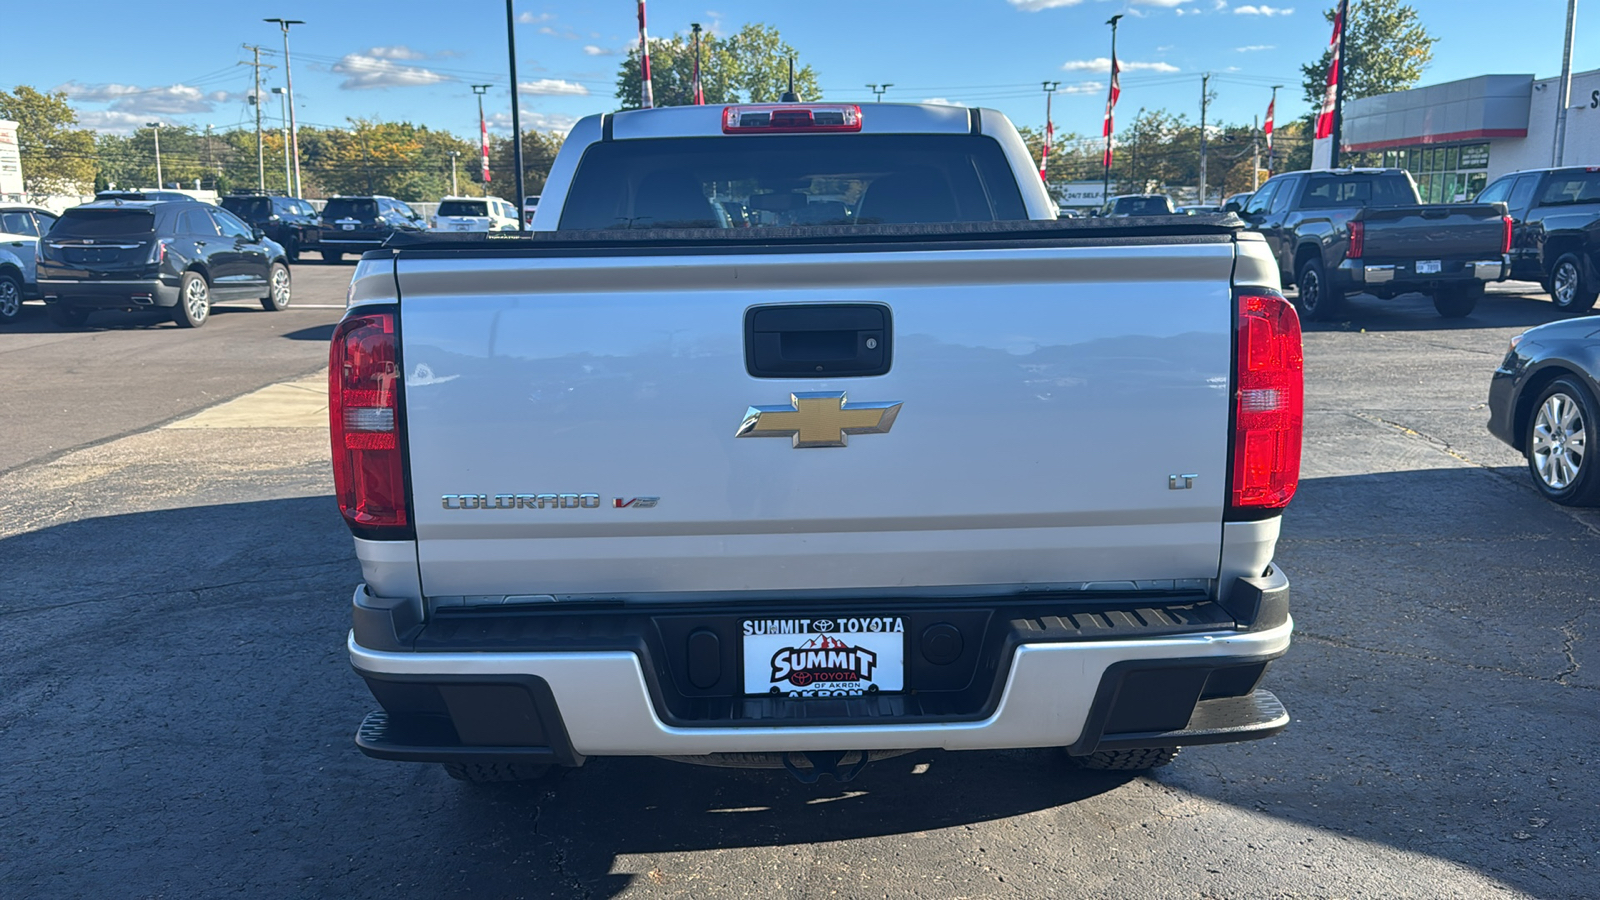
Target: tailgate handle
(818, 340)
(1435, 213)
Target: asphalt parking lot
(177, 710)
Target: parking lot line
(287, 404)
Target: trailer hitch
(826, 762)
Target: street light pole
(157, 126)
(1205, 98)
(878, 90)
(283, 117)
(483, 127)
(1564, 95)
(516, 119)
(288, 77)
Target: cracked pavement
(178, 710)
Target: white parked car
(530, 205)
(20, 230)
(474, 214)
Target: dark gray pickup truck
(1350, 231)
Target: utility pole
(157, 126)
(1111, 101)
(516, 119)
(1564, 96)
(699, 92)
(255, 100)
(283, 117)
(454, 191)
(288, 78)
(1272, 143)
(209, 164)
(483, 126)
(1205, 98)
(878, 90)
(1255, 153)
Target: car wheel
(291, 249)
(1557, 444)
(66, 316)
(10, 298)
(1570, 289)
(1457, 302)
(495, 773)
(330, 256)
(1140, 760)
(280, 289)
(194, 301)
(1316, 299)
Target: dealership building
(1454, 138)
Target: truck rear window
(1142, 206)
(1571, 187)
(347, 208)
(98, 223)
(251, 209)
(464, 208)
(800, 180)
(1354, 192)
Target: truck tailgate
(1048, 395)
(1456, 231)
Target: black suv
(180, 255)
(359, 224)
(290, 221)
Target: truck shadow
(1415, 312)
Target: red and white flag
(1330, 98)
(1111, 105)
(646, 93)
(1049, 138)
(483, 128)
(1268, 127)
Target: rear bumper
(1082, 694)
(1355, 274)
(109, 293)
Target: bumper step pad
(1259, 714)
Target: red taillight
(1358, 240)
(363, 417)
(790, 118)
(1269, 411)
(1505, 234)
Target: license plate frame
(1428, 266)
(347, 227)
(823, 656)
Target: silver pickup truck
(802, 435)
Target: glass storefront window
(1452, 159)
(1444, 174)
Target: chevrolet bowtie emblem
(820, 419)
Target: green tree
(749, 66)
(1073, 157)
(56, 158)
(1386, 49)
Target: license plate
(1427, 267)
(348, 227)
(463, 228)
(825, 657)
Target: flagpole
(1338, 86)
(1272, 144)
(1105, 187)
(699, 93)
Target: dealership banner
(10, 162)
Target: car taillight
(363, 418)
(158, 252)
(1505, 234)
(1269, 411)
(790, 118)
(1358, 239)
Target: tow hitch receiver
(826, 762)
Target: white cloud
(1255, 47)
(1219, 5)
(529, 18)
(112, 122)
(364, 71)
(1263, 10)
(592, 50)
(941, 101)
(1103, 64)
(534, 121)
(172, 99)
(553, 86)
(1082, 87)
(399, 51)
(1036, 5)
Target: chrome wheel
(1564, 286)
(1559, 444)
(10, 299)
(197, 300)
(280, 287)
(1310, 289)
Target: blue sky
(126, 63)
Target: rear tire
(1458, 302)
(495, 773)
(66, 316)
(10, 298)
(1557, 442)
(291, 249)
(1571, 289)
(1140, 760)
(194, 301)
(1316, 300)
(278, 294)
(330, 256)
